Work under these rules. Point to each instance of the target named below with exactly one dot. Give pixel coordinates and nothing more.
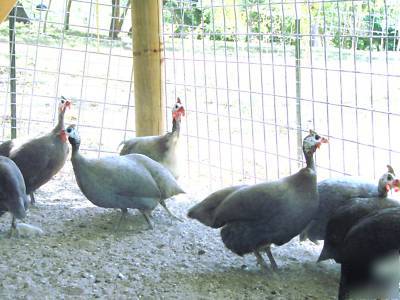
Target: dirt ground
(80, 255)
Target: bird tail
(119, 146)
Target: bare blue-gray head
(312, 142)
(73, 136)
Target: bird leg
(123, 216)
(13, 227)
(146, 214)
(271, 258)
(32, 198)
(162, 202)
(344, 291)
(260, 261)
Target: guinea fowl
(367, 242)
(254, 217)
(39, 159)
(164, 148)
(12, 191)
(336, 192)
(346, 216)
(129, 181)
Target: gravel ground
(81, 255)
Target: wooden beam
(147, 66)
(5, 8)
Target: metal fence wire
(254, 76)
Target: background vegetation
(366, 24)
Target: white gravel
(80, 255)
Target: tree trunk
(67, 14)
(120, 22)
(45, 17)
(114, 19)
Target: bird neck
(60, 124)
(176, 126)
(382, 191)
(75, 146)
(309, 160)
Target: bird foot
(169, 212)
(146, 215)
(261, 262)
(271, 259)
(121, 219)
(33, 201)
(176, 218)
(13, 232)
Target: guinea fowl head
(178, 110)
(388, 181)
(312, 142)
(73, 135)
(64, 104)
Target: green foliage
(268, 20)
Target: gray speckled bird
(344, 218)
(254, 217)
(39, 159)
(163, 148)
(12, 191)
(336, 192)
(130, 181)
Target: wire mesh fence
(251, 73)
(254, 72)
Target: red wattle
(63, 136)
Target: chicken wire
(253, 74)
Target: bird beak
(322, 141)
(68, 104)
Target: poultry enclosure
(253, 75)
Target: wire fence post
(13, 84)
(298, 87)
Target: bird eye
(317, 137)
(176, 106)
(389, 177)
(62, 101)
(69, 130)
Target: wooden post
(147, 66)
(5, 8)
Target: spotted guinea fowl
(254, 217)
(12, 191)
(344, 218)
(366, 243)
(164, 148)
(336, 192)
(129, 181)
(39, 159)
(8, 146)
